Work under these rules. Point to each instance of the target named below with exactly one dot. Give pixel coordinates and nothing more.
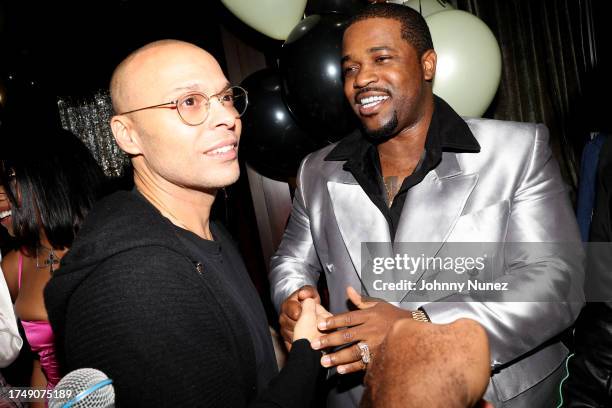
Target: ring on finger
(366, 357)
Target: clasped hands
(302, 316)
(413, 348)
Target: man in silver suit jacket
(418, 172)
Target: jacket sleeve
(296, 262)
(295, 385)
(548, 277)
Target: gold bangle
(420, 316)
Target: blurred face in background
(6, 210)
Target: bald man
(153, 293)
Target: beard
(383, 133)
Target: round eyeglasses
(193, 108)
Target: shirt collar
(447, 130)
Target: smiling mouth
(372, 101)
(223, 149)
(5, 214)
(370, 105)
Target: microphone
(84, 388)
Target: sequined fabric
(88, 117)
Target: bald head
(140, 69)
(168, 153)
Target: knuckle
(347, 335)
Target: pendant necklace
(49, 261)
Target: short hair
(414, 29)
(58, 181)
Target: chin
(226, 179)
(382, 131)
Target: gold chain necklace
(390, 196)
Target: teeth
(372, 100)
(4, 214)
(222, 150)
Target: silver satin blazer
(511, 191)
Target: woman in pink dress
(44, 197)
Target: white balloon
(469, 61)
(274, 18)
(428, 7)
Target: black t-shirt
(222, 258)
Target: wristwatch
(420, 316)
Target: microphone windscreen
(86, 388)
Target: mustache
(370, 89)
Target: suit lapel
(430, 212)
(433, 206)
(358, 218)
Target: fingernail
(325, 361)
(315, 344)
(341, 370)
(322, 325)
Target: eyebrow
(381, 48)
(370, 51)
(196, 87)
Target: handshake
(413, 350)
(362, 331)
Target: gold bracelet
(420, 316)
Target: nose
(366, 75)
(222, 115)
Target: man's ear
(125, 134)
(428, 62)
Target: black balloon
(312, 76)
(333, 6)
(272, 142)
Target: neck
(184, 207)
(46, 255)
(409, 142)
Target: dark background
(71, 48)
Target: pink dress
(41, 339)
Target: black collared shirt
(447, 133)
